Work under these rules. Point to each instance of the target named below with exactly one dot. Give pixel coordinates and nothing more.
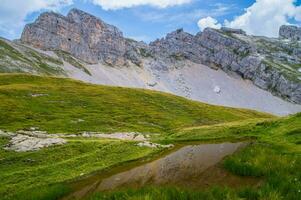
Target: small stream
(190, 166)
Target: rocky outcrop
(290, 32)
(233, 51)
(80, 34)
(176, 46)
(233, 30)
(271, 64)
(23, 141)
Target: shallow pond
(190, 166)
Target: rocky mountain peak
(90, 21)
(78, 15)
(290, 32)
(233, 30)
(270, 63)
(80, 34)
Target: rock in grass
(120, 136)
(154, 145)
(23, 143)
(217, 89)
(6, 134)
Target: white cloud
(139, 38)
(265, 17)
(14, 12)
(118, 4)
(208, 22)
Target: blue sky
(148, 20)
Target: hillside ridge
(83, 47)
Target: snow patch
(217, 89)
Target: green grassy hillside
(19, 58)
(274, 156)
(61, 105)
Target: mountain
(222, 67)
(62, 138)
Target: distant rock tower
(80, 34)
(290, 32)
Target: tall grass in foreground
(43, 193)
(166, 193)
(280, 171)
(280, 174)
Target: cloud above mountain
(263, 17)
(117, 4)
(14, 12)
(208, 22)
(154, 18)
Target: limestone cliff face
(290, 32)
(80, 34)
(271, 64)
(177, 45)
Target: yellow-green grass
(17, 58)
(26, 173)
(274, 157)
(283, 132)
(56, 105)
(60, 105)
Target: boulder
(290, 32)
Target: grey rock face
(290, 32)
(23, 143)
(272, 64)
(233, 30)
(233, 51)
(177, 45)
(80, 34)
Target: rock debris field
(33, 140)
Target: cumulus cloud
(265, 17)
(118, 4)
(208, 22)
(14, 12)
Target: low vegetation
(22, 173)
(274, 157)
(73, 61)
(56, 105)
(19, 58)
